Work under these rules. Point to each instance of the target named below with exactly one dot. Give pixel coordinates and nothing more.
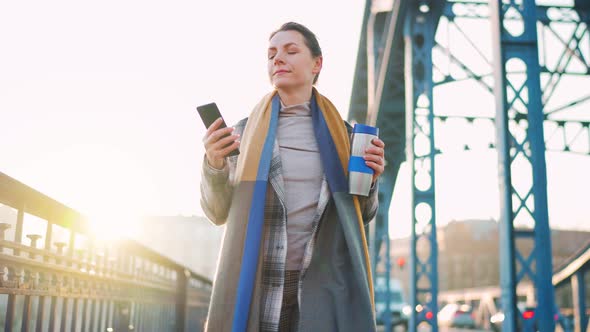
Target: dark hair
(309, 38)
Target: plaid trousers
(290, 306)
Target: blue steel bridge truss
(529, 66)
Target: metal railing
(55, 275)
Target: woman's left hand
(375, 157)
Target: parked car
(527, 318)
(424, 314)
(400, 311)
(456, 315)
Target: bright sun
(107, 185)
(108, 228)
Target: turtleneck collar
(303, 109)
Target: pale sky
(97, 104)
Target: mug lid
(365, 129)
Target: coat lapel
(276, 175)
(323, 199)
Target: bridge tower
(525, 63)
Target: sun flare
(113, 227)
(112, 189)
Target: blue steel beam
(569, 137)
(386, 118)
(389, 105)
(579, 297)
(479, 10)
(568, 105)
(419, 31)
(571, 47)
(470, 74)
(571, 51)
(558, 137)
(583, 6)
(357, 110)
(521, 47)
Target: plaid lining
(275, 252)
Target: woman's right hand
(215, 146)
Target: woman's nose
(278, 58)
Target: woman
(294, 252)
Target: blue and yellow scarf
(251, 180)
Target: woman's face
(290, 63)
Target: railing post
(34, 238)
(71, 247)
(10, 307)
(40, 314)
(18, 232)
(26, 318)
(3, 228)
(122, 316)
(83, 317)
(182, 278)
(48, 238)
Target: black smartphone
(209, 113)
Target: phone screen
(209, 113)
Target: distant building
(469, 253)
(191, 241)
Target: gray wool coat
(333, 294)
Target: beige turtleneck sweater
(302, 174)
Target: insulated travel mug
(359, 174)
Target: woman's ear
(317, 65)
